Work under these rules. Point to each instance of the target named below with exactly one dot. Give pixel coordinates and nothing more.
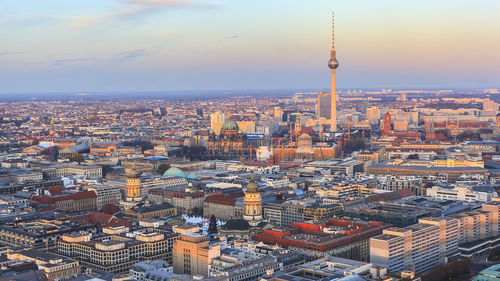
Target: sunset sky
(165, 45)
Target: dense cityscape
(342, 184)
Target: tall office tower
(416, 247)
(490, 105)
(324, 105)
(192, 254)
(372, 114)
(402, 98)
(333, 64)
(216, 121)
(387, 123)
(278, 113)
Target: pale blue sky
(157, 45)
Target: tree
(77, 157)
(212, 225)
(35, 142)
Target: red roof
(55, 190)
(100, 219)
(224, 199)
(110, 209)
(308, 130)
(82, 195)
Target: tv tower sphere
(333, 63)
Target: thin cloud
(95, 20)
(127, 56)
(161, 3)
(233, 37)
(133, 9)
(60, 62)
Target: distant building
(216, 121)
(324, 105)
(387, 124)
(230, 142)
(373, 114)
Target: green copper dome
(174, 171)
(230, 124)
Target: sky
(168, 45)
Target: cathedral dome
(252, 187)
(134, 174)
(230, 124)
(176, 172)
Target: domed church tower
(133, 187)
(252, 204)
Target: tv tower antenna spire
(333, 64)
(333, 31)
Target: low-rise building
(75, 202)
(146, 212)
(458, 194)
(115, 251)
(38, 233)
(340, 238)
(55, 267)
(106, 194)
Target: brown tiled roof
(224, 199)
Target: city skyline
(156, 45)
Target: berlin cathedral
(230, 143)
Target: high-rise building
(416, 247)
(216, 121)
(324, 105)
(434, 241)
(490, 105)
(400, 125)
(252, 204)
(192, 254)
(278, 114)
(333, 64)
(372, 114)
